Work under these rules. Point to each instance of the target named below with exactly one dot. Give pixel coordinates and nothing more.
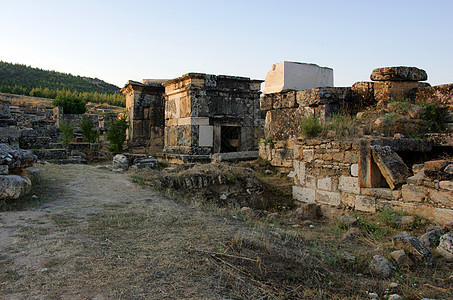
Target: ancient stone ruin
(204, 114)
(366, 172)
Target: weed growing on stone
(310, 126)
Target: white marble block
(287, 75)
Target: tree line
(23, 80)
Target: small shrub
(310, 126)
(67, 133)
(116, 134)
(434, 117)
(88, 132)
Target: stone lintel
(193, 121)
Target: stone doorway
(230, 138)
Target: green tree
(70, 104)
(116, 134)
(89, 133)
(67, 133)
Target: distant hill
(25, 80)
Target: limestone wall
(344, 175)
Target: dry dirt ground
(94, 234)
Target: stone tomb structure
(206, 114)
(145, 114)
(195, 114)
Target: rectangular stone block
(308, 154)
(441, 197)
(310, 181)
(329, 198)
(365, 203)
(443, 216)
(349, 185)
(305, 195)
(422, 210)
(299, 169)
(325, 184)
(413, 193)
(381, 193)
(288, 75)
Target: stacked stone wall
(330, 173)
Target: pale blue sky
(121, 40)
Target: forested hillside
(24, 80)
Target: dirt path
(98, 235)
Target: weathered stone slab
(382, 193)
(296, 76)
(299, 168)
(413, 246)
(234, 156)
(149, 162)
(13, 186)
(349, 184)
(441, 197)
(443, 216)
(306, 195)
(400, 73)
(329, 198)
(414, 193)
(365, 203)
(391, 165)
(325, 184)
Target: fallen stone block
(401, 258)
(391, 165)
(235, 156)
(120, 162)
(146, 162)
(413, 246)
